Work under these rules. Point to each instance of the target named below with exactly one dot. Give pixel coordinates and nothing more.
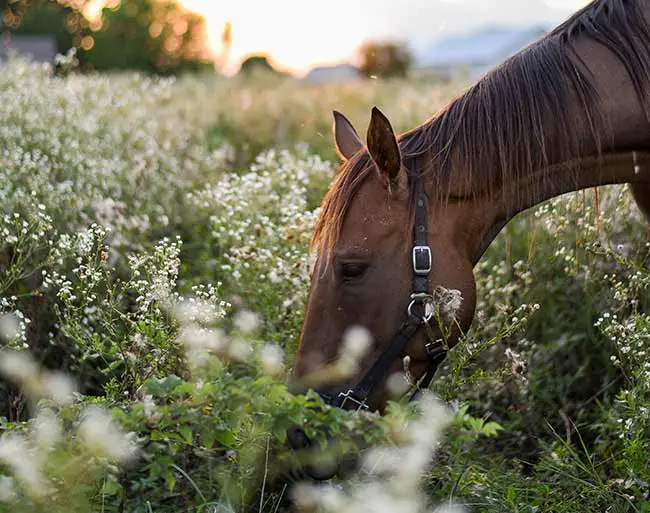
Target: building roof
(488, 46)
(38, 48)
(335, 73)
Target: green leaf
(171, 480)
(491, 428)
(186, 433)
(208, 438)
(226, 438)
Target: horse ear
(382, 145)
(347, 139)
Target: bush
(385, 59)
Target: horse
(409, 216)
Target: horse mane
(518, 119)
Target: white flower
(247, 322)
(60, 387)
(449, 302)
(9, 326)
(397, 384)
(47, 429)
(150, 409)
(16, 453)
(99, 432)
(239, 350)
(450, 509)
(18, 366)
(7, 489)
(272, 359)
(356, 342)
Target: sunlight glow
(299, 34)
(296, 34)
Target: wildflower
(448, 301)
(17, 454)
(202, 339)
(450, 509)
(272, 359)
(356, 342)
(239, 350)
(247, 322)
(398, 384)
(60, 387)
(150, 409)
(7, 489)
(9, 326)
(99, 433)
(47, 429)
(18, 366)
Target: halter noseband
(419, 312)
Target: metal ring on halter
(427, 301)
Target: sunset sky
(301, 33)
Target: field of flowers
(153, 274)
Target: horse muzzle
(320, 464)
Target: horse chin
(321, 465)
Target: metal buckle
(434, 349)
(427, 301)
(349, 396)
(419, 251)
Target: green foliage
(144, 220)
(153, 36)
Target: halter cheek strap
(419, 312)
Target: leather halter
(419, 312)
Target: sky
(299, 34)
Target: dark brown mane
(518, 119)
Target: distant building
(37, 48)
(473, 54)
(336, 73)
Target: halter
(419, 312)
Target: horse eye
(353, 270)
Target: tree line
(158, 36)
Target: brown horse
(571, 111)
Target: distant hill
(336, 73)
(476, 52)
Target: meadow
(154, 265)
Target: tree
(384, 59)
(159, 36)
(255, 63)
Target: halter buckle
(350, 397)
(422, 260)
(435, 349)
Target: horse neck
(615, 152)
